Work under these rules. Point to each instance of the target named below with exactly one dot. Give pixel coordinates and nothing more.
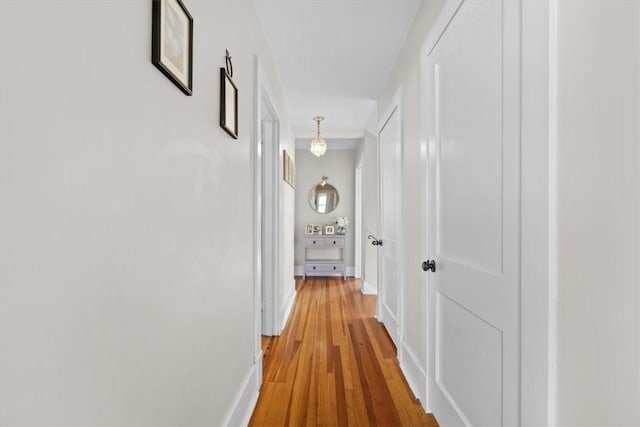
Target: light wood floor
(334, 365)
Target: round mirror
(324, 197)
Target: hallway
(159, 196)
(334, 364)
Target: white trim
(246, 398)
(283, 316)
(442, 22)
(358, 242)
(424, 209)
(269, 169)
(415, 374)
(552, 332)
(555, 235)
(257, 220)
(538, 241)
(368, 289)
(298, 270)
(271, 231)
(394, 103)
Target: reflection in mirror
(324, 197)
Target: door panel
(390, 203)
(473, 127)
(469, 362)
(471, 157)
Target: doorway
(269, 142)
(266, 212)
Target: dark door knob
(429, 265)
(374, 240)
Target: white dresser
(324, 255)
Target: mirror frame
(313, 195)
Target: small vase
(341, 230)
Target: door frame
(358, 220)
(394, 106)
(266, 199)
(270, 133)
(538, 271)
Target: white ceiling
(333, 57)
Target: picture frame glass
(174, 38)
(230, 104)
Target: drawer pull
(314, 242)
(314, 267)
(334, 267)
(334, 242)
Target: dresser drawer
(314, 242)
(324, 267)
(334, 242)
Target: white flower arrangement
(341, 221)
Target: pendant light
(318, 146)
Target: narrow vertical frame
(228, 104)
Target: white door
(472, 78)
(389, 295)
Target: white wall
(406, 73)
(599, 216)
(126, 295)
(287, 283)
(287, 199)
(339, 166)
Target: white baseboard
(286, 308)
(368, 289)
(246, 399)
(298, 270)
(390, 323)
(415, 375)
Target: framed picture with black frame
(286, 166)
(228, 104)
(172, 42)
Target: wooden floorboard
(334, 365)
